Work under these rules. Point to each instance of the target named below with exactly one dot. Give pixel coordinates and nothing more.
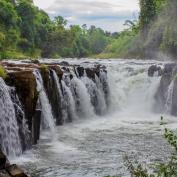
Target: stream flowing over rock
(39, 100)
(49, 94)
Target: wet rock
(58, 70)
(7, 170)
(4, 173)
(25, 84)
(154, 69)
(35, 61)
(15, 171)
(174, 99)
(90, 73)
(168, 75)
(160, 95)
(52, 93)
(168, 69)
(64, 63)
(3, 160)
(80, 71)
(36, 126)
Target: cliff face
(166, 95)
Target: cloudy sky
(107, 14)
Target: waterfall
(96, 94)
(9, 131)
(169, 97)
(82, 98)
(131, 89)
(20, 117)
(68, 104)
(48, 120)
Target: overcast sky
(107, 14)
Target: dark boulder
(168, 69)
(64, 63)
(160, 95)
(174, 99)
(4, 173)
(3, 160)
(25, 84)
(153, 69)
(15, 171)
(80, 71)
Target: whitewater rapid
(96, 145)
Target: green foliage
(3, 73)
(12, 54)
(127, 44)
(171, 138)
(155, 33)
(147, 13)
(44, 68)
(26, 29)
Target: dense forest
(27, 31)
(154, 35)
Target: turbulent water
(96, 145)
(47, 117)
(9, 130)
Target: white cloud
(109, 15)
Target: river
(95, 146)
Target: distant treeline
(27, 31)
(153, 35)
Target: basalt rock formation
(65, 90)
(166, 95)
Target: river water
(95, 146)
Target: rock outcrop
(7, 170)
(166, 95)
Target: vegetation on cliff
(153, 35)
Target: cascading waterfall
(22, 122)
(82, 98)
(47, 117)
(169, 97)
(125, 97)
(67, 101)
(131, 89)
(9, 131)
(96, 94)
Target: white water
(96, 91)
(9, 132)
(169, 97)
(82, 97)
(48, 120)
(94, 147)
